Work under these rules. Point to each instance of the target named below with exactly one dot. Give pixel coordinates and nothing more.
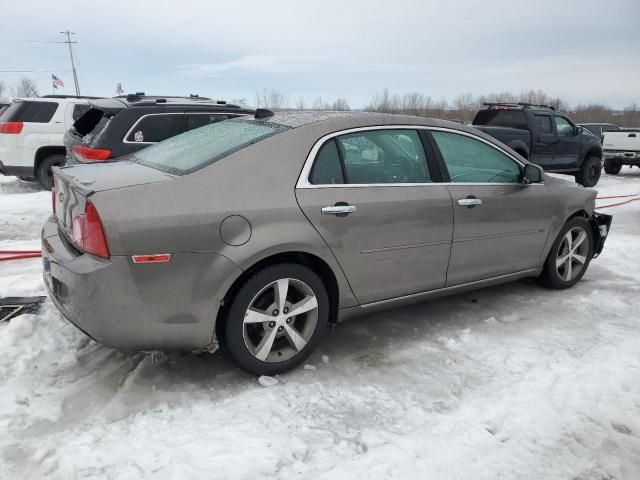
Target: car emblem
(60, 197)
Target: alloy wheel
(280, 320)
(572, 254)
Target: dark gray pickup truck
(544, 136)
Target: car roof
(119, 103)
(350, 119)
(54, 98)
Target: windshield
(197, 148)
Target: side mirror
(532, 174)
(579, 130)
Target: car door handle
(469, 202)
(338, 210)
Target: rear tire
(569, 256)
(590, 171)
(44, 176)
(262, 333)
(612, 167)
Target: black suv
(119, 126)
(544, 136)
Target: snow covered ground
(513, 382)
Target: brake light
(87, 233)
(92, 154)
(12, 128)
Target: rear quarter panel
(184, 214)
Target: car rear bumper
(629, 157)
(170, 306)
(9, 171)
(601, 224)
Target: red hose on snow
(18, 254)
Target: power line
(28, 41)
(36, 71)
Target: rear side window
(544, 124)
(193, 150)
(371, 157)
(79, 110)
(501, 118)
(327, 169)
(197, 120)
(155, 128)
(33, 112)
(471, 161)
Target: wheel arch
(520, 148)
(591, 150)
(314, 262)
(44, 152)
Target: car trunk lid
(73, 185)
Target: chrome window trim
(303, 179)
(126, 135)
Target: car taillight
(87, 233)
(11, 127)
(53, 199)
(92, 154)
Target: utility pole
(73, 65)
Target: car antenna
(263, 113)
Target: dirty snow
(508, 382)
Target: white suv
(32, 132)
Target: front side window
(472, 161)
(563, 127)
(371, 157)
(155, 128)
(195, 149)
(544, 123)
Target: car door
(500, 224)
(543, 141)
(370, 194)
(569, 143)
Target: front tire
(612, 167)
(590, 171)
(276, 319)
(44, 175)
(569, 256)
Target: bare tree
(3, 90)
(26, 87)
(300, 105)
(465, 106)
(340, 104)
(320, 104)
(274, 99)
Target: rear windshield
(197, 148)
(35, 112)
(501, 118)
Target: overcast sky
(582, 51)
